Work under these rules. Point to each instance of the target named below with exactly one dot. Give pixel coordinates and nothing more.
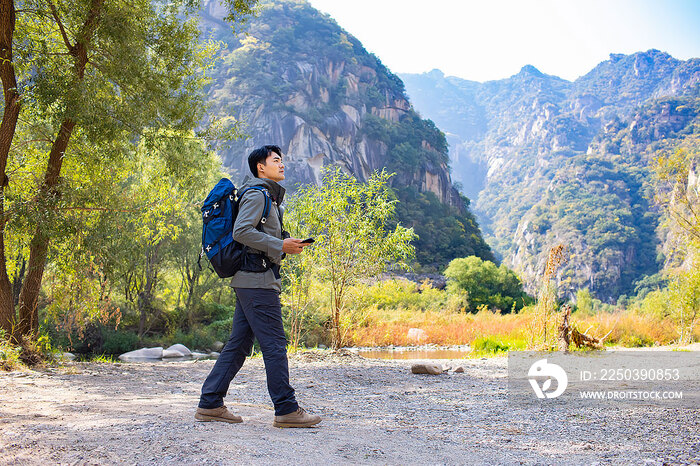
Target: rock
(214, 355)
(322, 347)
(62, 356)
(197, 355)
(416, 335)
(180, 348)
(217, 346)
(143, 353)
(459, 369)
(168, 353)
(432, 369)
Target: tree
(93, 75)
(486, 284)
(349, 221)
(677, 192)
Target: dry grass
(390, 327)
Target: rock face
(299, 81)
(549, 161)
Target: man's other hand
(293, 245)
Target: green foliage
(118, 341)
(221, 329)
(121, 87)
(684, 301)
(350, 222)
(487, 284)
(490, 345)
(402, 294)
(584, 301)
(9, 354)
(443, 232)
(197, 338)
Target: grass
(10, 356)
(105, 358)
(491, 333)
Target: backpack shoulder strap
(268, 201)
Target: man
(258, 311)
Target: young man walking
(258, 311)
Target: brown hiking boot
(298, 418)
(217, 414)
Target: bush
(118, 341)
(221, 329)
(196, 339)
(9, 354)
(213, 312)
(487, 284)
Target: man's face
(273, 168)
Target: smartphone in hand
(308, 240)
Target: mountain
(294, 78)
(550, 161)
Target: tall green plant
(349, 221)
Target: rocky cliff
(294, 78)
(550, 161)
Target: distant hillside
(300, 81)
(548, 161)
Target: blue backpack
(219, 214)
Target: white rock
(197, 355)
(214, 355)
(181, 348)
(169, 353)
(63, 356)
(143, 353)
(416, 335)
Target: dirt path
(373, 412)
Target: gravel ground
(374, 412)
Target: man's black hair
(259, 155)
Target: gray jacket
(268, 241)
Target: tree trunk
(7, 132)
(18, 278)
(39, 245)
(145, 303)
(192, 282)
(564, 329)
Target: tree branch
(54, 13)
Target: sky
(493, 39)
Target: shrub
(9, 354)
(118, 341)
(221, 329)
(487, 284)
(196, 339)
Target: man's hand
(293, 246)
